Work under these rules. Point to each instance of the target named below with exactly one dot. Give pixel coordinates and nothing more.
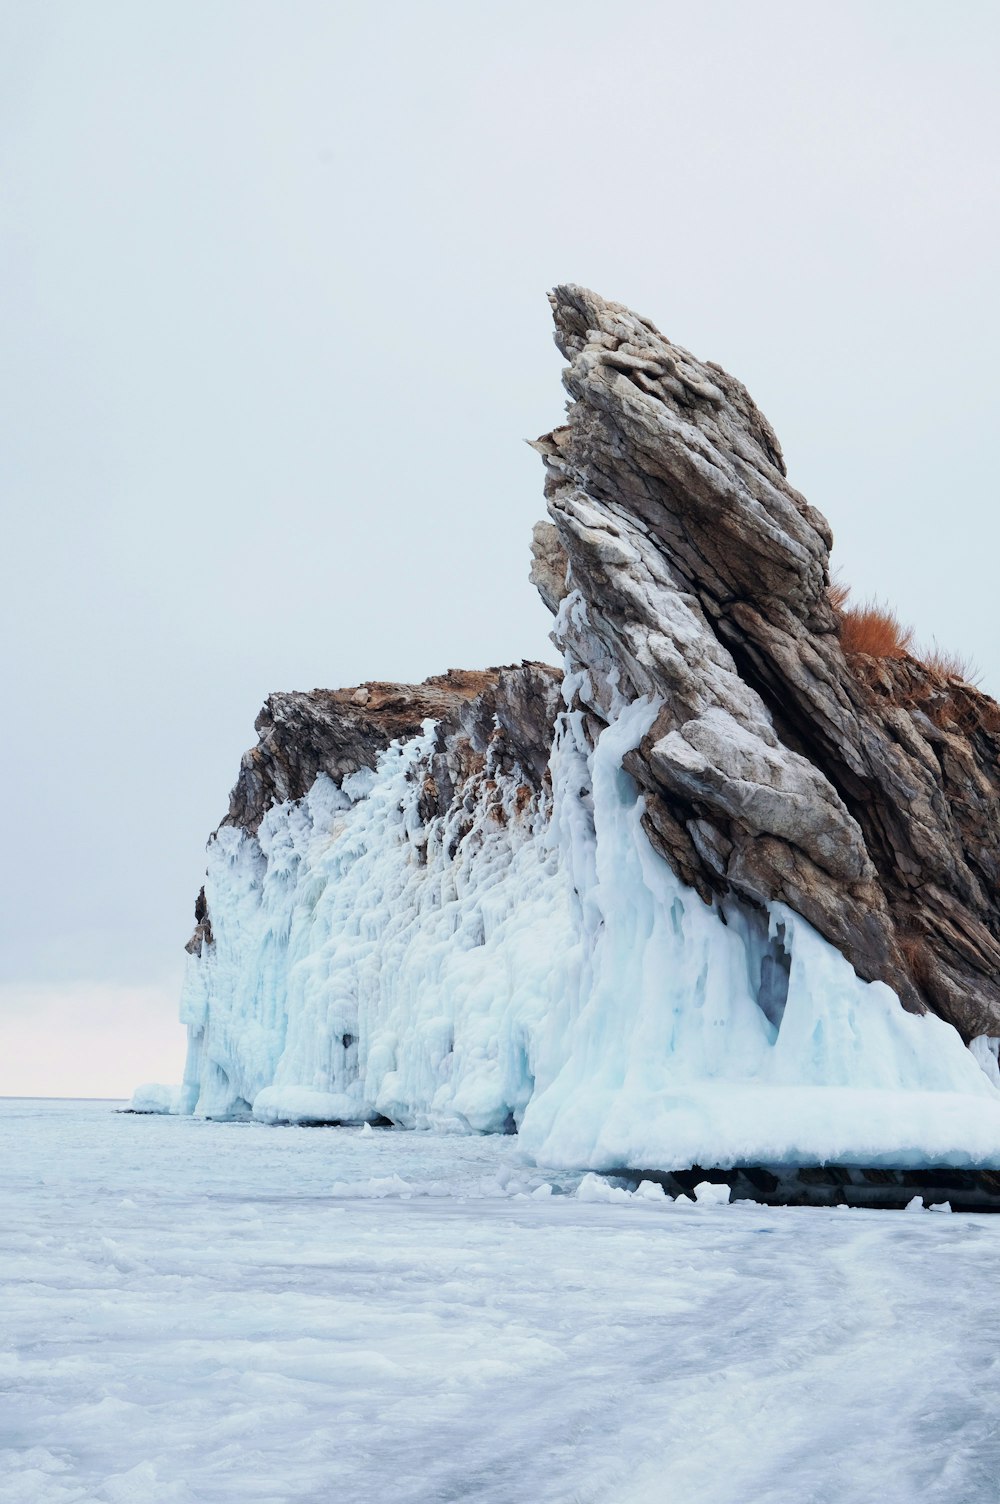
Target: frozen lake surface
(202, 1312)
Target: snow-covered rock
(527, 960)
(634, 911)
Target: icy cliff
(712, 894)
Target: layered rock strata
(865, 794)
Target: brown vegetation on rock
(950, 665)
(874, 629)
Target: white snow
(191, 1315)
(543, 969)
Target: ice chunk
(707, 1193)
(155, 1098)
(596, 1188)
(650, 1190)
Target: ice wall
(538, 966)
(367, 964)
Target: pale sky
(273, 292)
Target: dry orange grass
(876, 630)
(951, 665)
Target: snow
(193, 1314)
(543, 970)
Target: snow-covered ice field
(209, 1312)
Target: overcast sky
(273, 286)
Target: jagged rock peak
(682, 564)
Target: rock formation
(714, 893)
(862, 793)
(339, 731)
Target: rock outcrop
(339, 731)
(715, 893)
(862, 793)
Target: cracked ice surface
(199, 1312)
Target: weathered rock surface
(862, 793)
(508, 711)
(680, 563)
(339, 731)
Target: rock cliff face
(339, 731)
(863, 793)
(714, 893)
(504, 713)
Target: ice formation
(689, 938)
(548, 973)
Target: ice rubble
(549, 973)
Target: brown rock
(506, 713)
(863, 794)
(337, 731)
